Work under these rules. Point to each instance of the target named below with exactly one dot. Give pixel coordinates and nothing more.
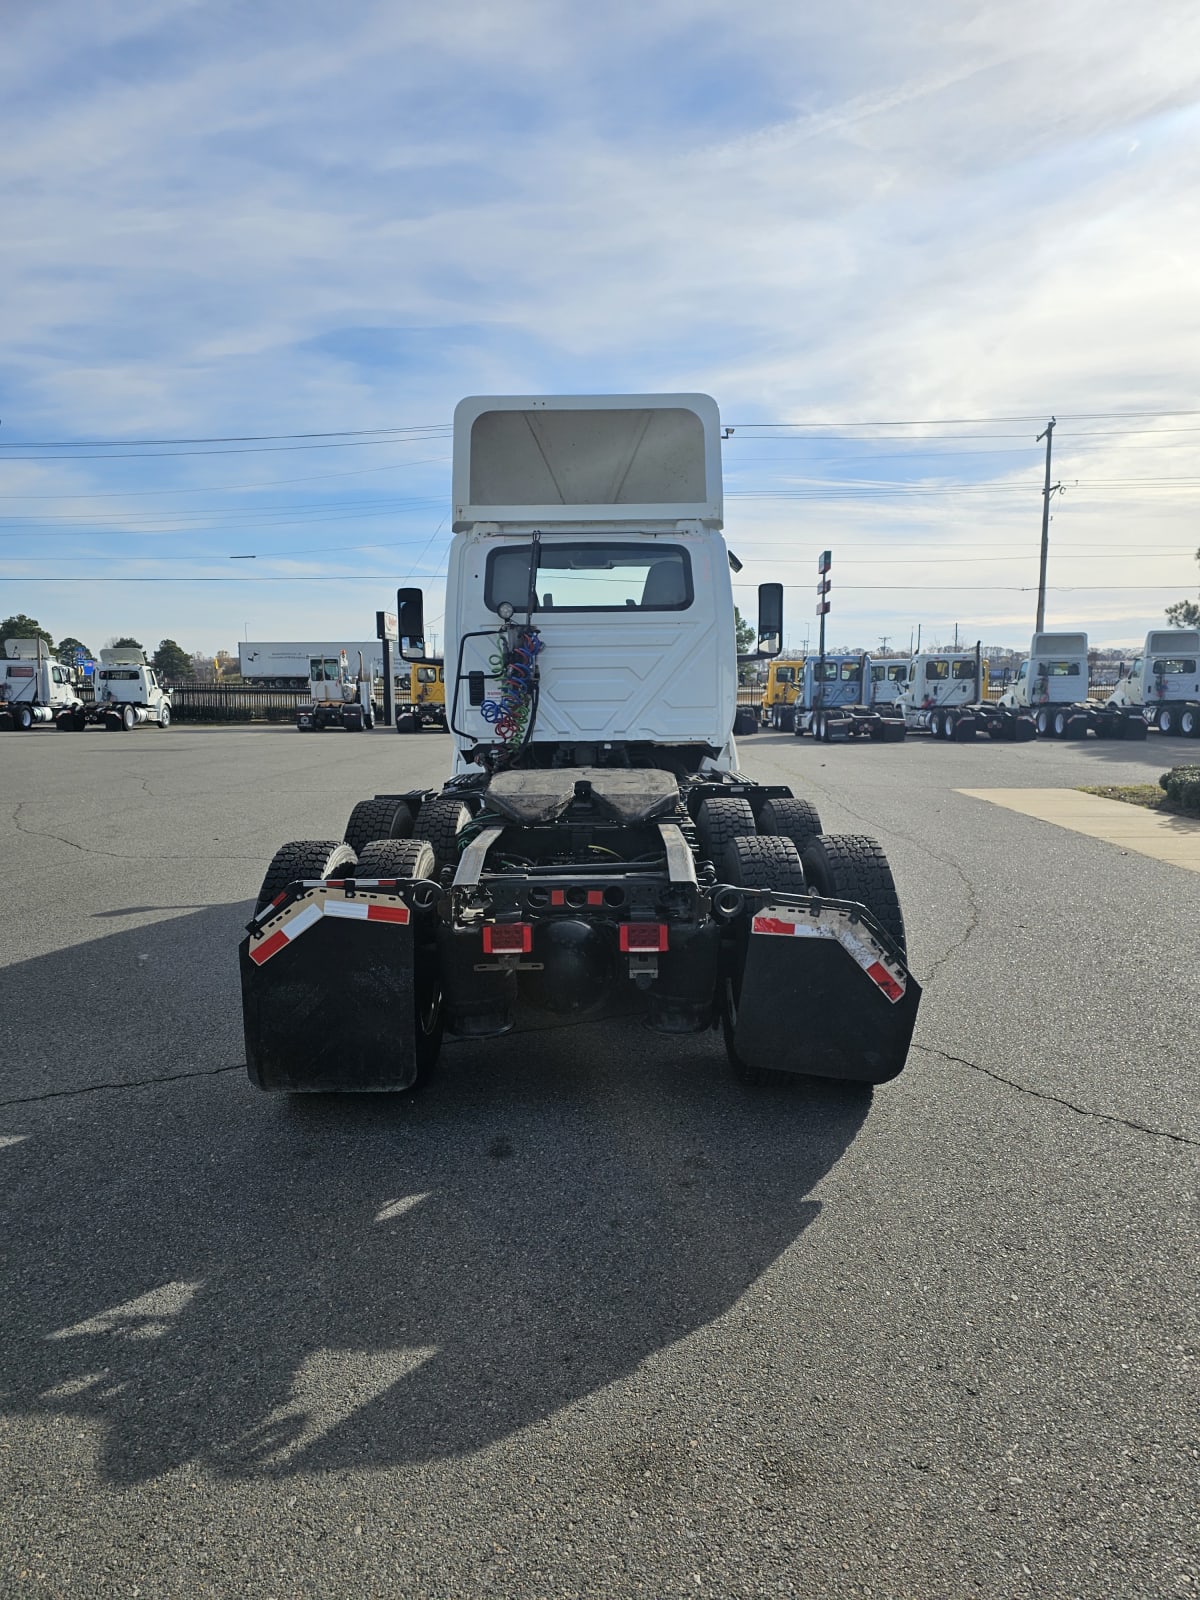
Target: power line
(416, 429)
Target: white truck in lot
(1051, 685)
(595, 846)
(127, 692)
(943, 693)
(336, 698)
(1161, 689)
(35, 689)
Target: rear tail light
(508, 938)
(638, 938)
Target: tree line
(170, 660)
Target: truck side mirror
(770, 619)
(410, 610)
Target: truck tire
(396, 858)
(764, 861)
(23, 717)
(413, 858)
(788, 818)
(164, 716)
(1166, 720)
(1060, 724)
(1189, 723)
(754, 862)
(441, 820)
(785, 720)
(720, 819)
(1041, 722)
(378, 819)
(935, 724)
(852, 866)
(305, 858)
(128, 719)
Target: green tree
(747, 636)
(171, 660)
(22, 627)
(125, 643)
(1185, 613)
(69, 648)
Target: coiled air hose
(514, 666)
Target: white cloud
(872, 213)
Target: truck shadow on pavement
(263, 1286)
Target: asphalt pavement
(586, 1317)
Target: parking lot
(587, 1317)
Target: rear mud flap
(336, 999)
(822, 994)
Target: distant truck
(426, 703)
(1051, 685)
(834, 702)
(779, 694)
(336, 699)
(944, 693)
(36, 690)
(127, 692)
(1162, 688)
(283, 663)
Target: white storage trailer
(283, 663)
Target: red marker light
(508, 938)
(640, 938)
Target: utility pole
(883, 644)
(1046, 493)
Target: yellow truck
(779, 694)
(426, 703)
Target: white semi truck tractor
(336, 699)
(595, 845)
(1051, 686)
(943, 693)
(1161, 689)
(127, 693)
(35, 689)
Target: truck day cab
(834, 702)
(35, 689)
(1162, 687)
(595, 845)
(127, 693)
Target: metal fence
(233, 702)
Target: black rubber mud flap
(336, 1009)
(808, 1005)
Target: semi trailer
(595, 844)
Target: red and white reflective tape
(306, 913)
(888, 977)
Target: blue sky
(227, 221)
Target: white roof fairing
(620, 459)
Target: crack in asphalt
(115, 855)
(118, 1083)
(1055, 1099)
